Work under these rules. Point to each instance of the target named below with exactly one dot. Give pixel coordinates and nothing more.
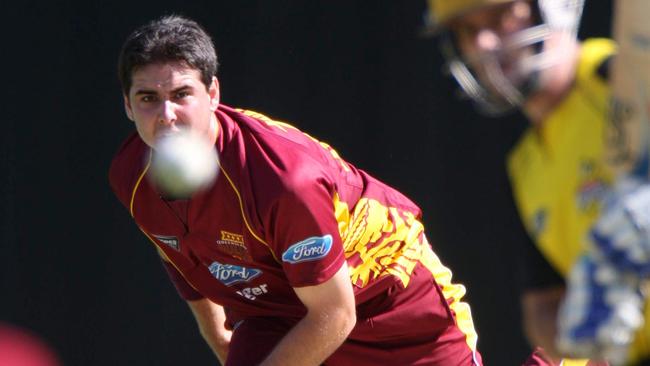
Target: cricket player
(607, 289)
(293, 256)
(524, 54)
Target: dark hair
(171, 38)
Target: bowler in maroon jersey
(293, 256)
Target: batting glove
(600, 312)
(622, 233)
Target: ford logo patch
(309, 249)
(229, 274)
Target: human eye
(148, 98)
(182, 94)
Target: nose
(167, 113)
(517, 15)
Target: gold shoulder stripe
(164, 257)
(241, 208)
(271, 122)
(576, 362)
(453, 293)
(137, 183)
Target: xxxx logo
(232, 244)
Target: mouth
(514, 66)
(170, 132)
(514, 73)
(499, 66)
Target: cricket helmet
(497, 91)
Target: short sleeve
(184, 289)
(305, 233)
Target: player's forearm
(542, 334)
(313, 339)
(539, 309)
(210, 318)
(219, 342)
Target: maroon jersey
(286, 211)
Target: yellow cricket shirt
(558, 171)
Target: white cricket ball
(183, 163)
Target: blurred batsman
(292, 256)
(607, 289)
(508, 54)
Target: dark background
(74, 268)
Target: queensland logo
(232, 244)
(590, 193)
(229, 274)
(309, 249)
(592, 187)
(170, 241)
(538, 222)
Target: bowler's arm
(331, 315)
(211, 318)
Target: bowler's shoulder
(127, 165)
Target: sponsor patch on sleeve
(309, 249)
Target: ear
(127, 108)
(214, 93)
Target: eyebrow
(145, 91)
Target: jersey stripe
(164, 257)
(137, 184)
(568, 362)
(453, 292)
(243, 214)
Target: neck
(214, 128)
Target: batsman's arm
(539, 312)
(331, 315)
(603, 307)
(211, 318)
(541, 289)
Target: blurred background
(76, 271)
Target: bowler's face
(165, 98)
